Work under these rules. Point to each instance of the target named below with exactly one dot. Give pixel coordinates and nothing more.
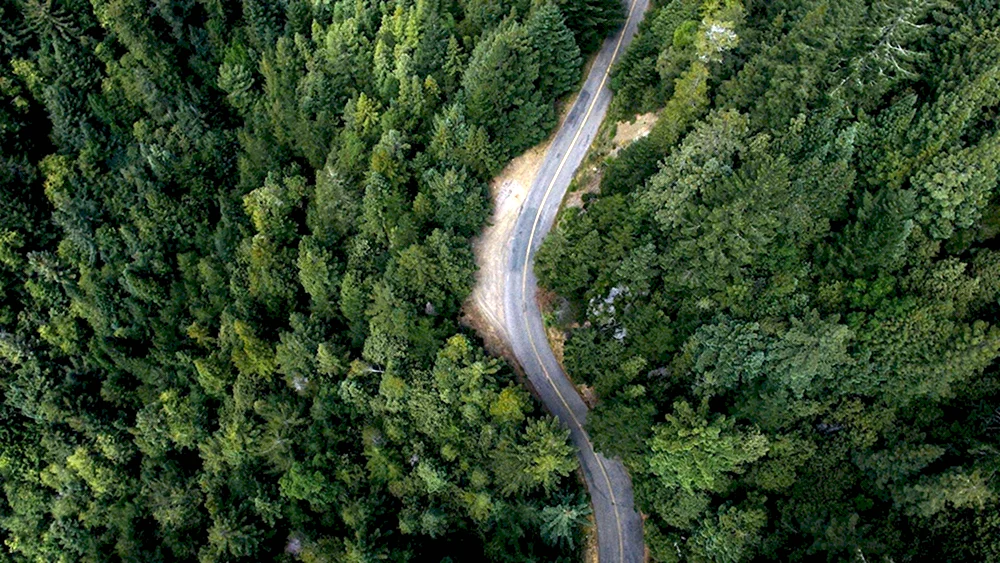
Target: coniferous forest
(234, 239)
(786, 295)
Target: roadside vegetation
(788, 291)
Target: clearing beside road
(484, 310)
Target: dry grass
(589, 184)
(588, 394)
(557, 341)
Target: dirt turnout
(484, 307)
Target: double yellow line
(524, 276)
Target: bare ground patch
(608, 143)
(590, 551)
(589, 184)
(628, 132)
(484, 309)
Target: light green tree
(694, 453)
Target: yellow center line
(524, 276)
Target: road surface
(619, 527)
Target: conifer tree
(559, 56)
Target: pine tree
(559, 56)
(955, 187)
(695, 454)
(501, 92)
(876, 241)
(561, 523)
(591, 20)
(454, 64)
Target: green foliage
(731, 537)
(234, 242)
(500, 89)
(590, 21)
(694, 454)
(955, 187)
(559, 56)
(560, 523)
(800, 258)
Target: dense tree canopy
(787, 292)
(234, 238)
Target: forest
(785, 297)
(234, 241)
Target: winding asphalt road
(619, 526)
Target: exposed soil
(588, 180)
(589, 184)
(590, 552)
(627, 132)
(483, 310)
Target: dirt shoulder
(483, 311)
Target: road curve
(619, 526)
